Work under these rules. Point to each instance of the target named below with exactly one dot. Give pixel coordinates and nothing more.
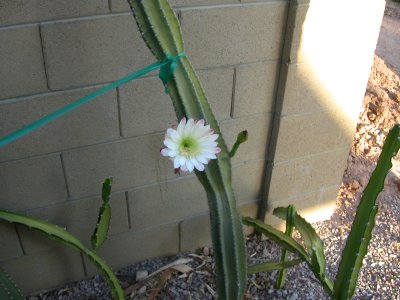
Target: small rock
(141, 274)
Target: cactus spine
(161, 31)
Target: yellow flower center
(188, 147)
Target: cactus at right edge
(161, 31)
(357, 241)
(364, 221)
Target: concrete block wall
(322, 81)
(53, 52)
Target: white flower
(191, 145)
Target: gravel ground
(380, 275)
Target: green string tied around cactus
(166, 66)
(168, 69)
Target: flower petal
(165, 152)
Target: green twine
(167, 67)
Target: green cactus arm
(271, 265)
(241, 138)
(282, 239)
(106, 190)
(161, 31)
(103, 220)
(314, 247)
(364, 221)
(8, 289)
(290, 215)
(57, 233)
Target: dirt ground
(380, 111)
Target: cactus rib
(364, 221)
(161, 31)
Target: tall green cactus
(364, 221)
(161, 31)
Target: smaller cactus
(291, 212)
(8, 289)
(103, 220)
(364, 221)
(57, 233)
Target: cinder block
(137, 245)
(315, 206)
(307, 174)
(131, 163)
(200, 2)
(21, 59)
(79, 217)
(297, 18)
(255, 88)
(248, 179)
(217, 84)
(221, 36)
(303, 92)
(249, 210)
(32, 183)
(258, 131)
(92, 123)
(10, 247)
(120, 6)
(45, 270)
(96, 50)
(25, 11)
(166, 202)
(145, 108)
(195, 232)
(307, 134)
